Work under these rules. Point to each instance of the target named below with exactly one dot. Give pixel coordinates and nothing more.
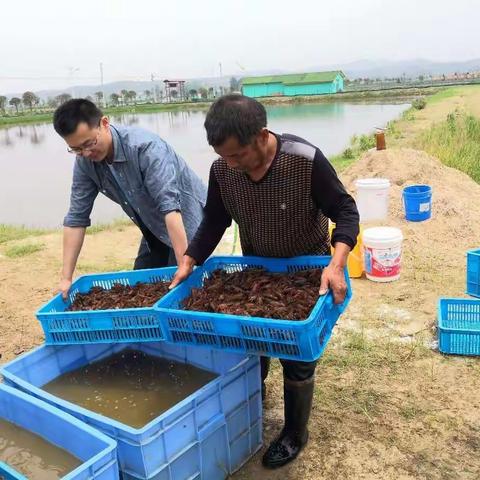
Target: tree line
(29, 101)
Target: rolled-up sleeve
(82, 197)
(158, 163)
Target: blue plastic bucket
(417, 201)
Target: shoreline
(396, 95)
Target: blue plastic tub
(208, 435)
(459, 326)
(97, 451)
(8, 473)
(103, 326)
(417, 200)
(473, 273)
(300, 340)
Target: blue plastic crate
(300, 340)
(103, 326)
(211, 433)
(473, 273)
(97, 451)
(459, 326)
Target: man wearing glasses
(139, 171)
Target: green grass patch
(17, 251)
(12, 120)
(117, 225)
(456, 142)
(12, 232)
(358, 145)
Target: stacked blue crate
(96, 451)
(459, 318)
(208, 435)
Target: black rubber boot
(294, 436)
(264, 369)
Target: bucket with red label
(382, 253)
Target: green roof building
(319, 83)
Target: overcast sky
(57, 43)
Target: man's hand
(64, 287)
(184, 270)
(333, 278)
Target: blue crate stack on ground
(209, 435)
(97, 451)
(473, 273)
(459, 318)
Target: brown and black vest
(276, 216)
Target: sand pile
(455, 222)
(434, 251)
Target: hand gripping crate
(97, 451)
(297, 340)
(208, 435)
(459, 326)
(62, 327)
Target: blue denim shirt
(149, 181)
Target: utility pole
(104, 100)
(154, 92)
(220, 68)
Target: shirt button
(104, 191)
(125, 203)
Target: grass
(358, 145)
(456, 142)
(117, 225)
(12, 232)
(32, 117)
(17, 251)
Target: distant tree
(203, 92)
(89, 98)
(421, 78)
(211, 92)
(234, 84)
(115, 98)
(29, 100)
(52, 102)
(62, 98)
(15, 101)
(98, 97)
(192, 93)
(147, 94)
(124, 95)
(3, 103)
(132, 95)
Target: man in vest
(280, 190)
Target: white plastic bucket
(372, 198)
(382, 253)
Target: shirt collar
(118, 149)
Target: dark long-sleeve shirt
(327, 192)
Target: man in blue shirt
(139, 171)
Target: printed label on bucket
(424, 207)
(383, 262)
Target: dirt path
(387, 405)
